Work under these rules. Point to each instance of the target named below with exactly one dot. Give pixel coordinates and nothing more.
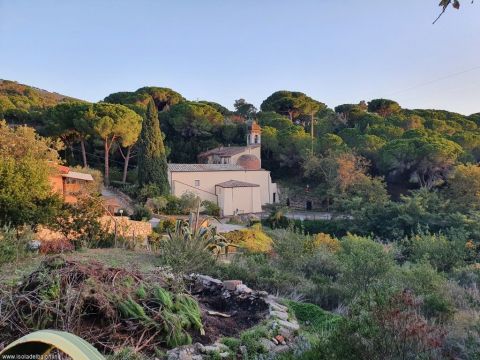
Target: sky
(336, 51)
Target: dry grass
(129, 260)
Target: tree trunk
(107, 165)
(311, 130)
(125, 165)
(84, 154)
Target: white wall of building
(239, 200)
(181, 182)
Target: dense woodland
(396, 269)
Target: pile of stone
(231, 295)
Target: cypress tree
(152, 161)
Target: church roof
(226, 151)
(236, 183)
(203, 167)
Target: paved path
(108, 193)
(221, 227)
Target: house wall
(68, 191)
(239, 200)
(56, 182)
(181, 182)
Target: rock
(243, 289)
(231, 285)
(280, 339)
(208, 280)
(281, 348)
(224, 355)
(279, 314)
(210, 349)
(262, 293)
(181, 353)
(286, 333)
(243, 350)
(199, 347)
(292, 325)
(34, 245)
(221, 347)
(267, 344)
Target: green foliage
(244, 109)
(188, 249)
(79, 222)
(25, 193)
(251, 240)
(365, 263)
(193, 127)
(210, 208)
(383, 107)
(152, 162)
(157, 204)
(13, 244)
(23, 104)
(442, 253)
(126, 353)
(141, 213)
(164, 296)
(312, 317)
(293, 104)
(110, 123)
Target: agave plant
(192, 246)
(206, 237)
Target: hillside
(23, 103)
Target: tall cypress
(152, 161)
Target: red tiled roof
(226, 151)
(203, 167)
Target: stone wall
(297, 198)
(127, 228)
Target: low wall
(127, 228)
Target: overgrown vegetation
(109, 307)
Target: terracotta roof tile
(203, 167)
(226, 151)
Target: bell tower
(254, 133)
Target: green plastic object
(44, 341)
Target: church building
(231, 177)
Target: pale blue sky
(337, 51)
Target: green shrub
(149, 191)
(441, 252)
(187, 251)
(252, 240)
(141, 213)
(13, 248)
(157, 204)
(365, 263)
(312, 317)
(127, 353)
(131, 190)
(210, 208)
(165, 225)
(174, 206)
